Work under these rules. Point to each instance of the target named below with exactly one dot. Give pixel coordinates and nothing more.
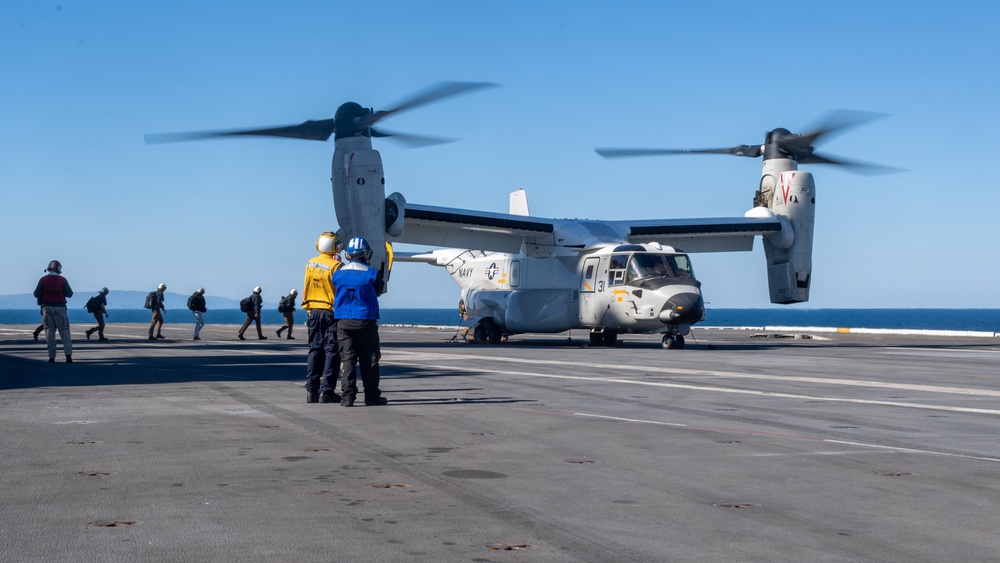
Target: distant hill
(124, 299)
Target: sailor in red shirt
(51, 292)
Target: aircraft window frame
(617, 265)
(588, 280)
(642, 265)
(685, 269)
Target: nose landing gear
(671, 341)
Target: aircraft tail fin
(519, 202)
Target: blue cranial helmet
(358, 246)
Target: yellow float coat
(317, 289)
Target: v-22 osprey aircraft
(519, 273)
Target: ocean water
(926, 319)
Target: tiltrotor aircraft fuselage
(519, 273)
(568, 275)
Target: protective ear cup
(327, 243)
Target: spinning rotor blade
(801, 147)
(837, 122)
(310, 130)
(782, 143)
(411, 141)
(742, 150)
(351, 119)
(856, 166)
(440, 91)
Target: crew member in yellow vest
(323, 363)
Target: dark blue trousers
(323, 363)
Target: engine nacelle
(359, 197)
(395, 214)
(789, 266)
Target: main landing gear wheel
(670, 342)
(487, 331)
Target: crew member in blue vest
(356, 289)
(51, 292)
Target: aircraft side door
(588, 291)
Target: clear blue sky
(83, 81)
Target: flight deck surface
(741, 447)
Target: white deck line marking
(720, 389)
(940, 350)
(620, 419)
(736, 375)
(911, 450)
(829, 441)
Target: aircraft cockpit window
(647, 265)
(682, 265)
(616, 269)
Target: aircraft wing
(462, 228)
(502, 232)
(720, 234)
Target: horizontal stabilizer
(427, 257)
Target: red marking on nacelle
(786, 186)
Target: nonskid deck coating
(743, 446)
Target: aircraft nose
(683, 308)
